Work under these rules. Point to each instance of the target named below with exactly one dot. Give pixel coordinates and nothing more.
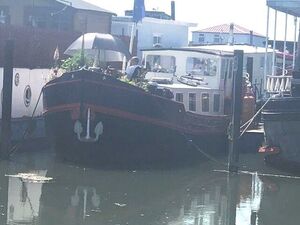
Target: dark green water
(183, 195)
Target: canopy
(291, 7)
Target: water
(36, 189)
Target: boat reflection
(24, 198)
(195, 196)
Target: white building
(221, 34)
(152, 32)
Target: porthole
(17, 79)
(27, 95)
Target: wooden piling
(233, 182)
(3, 191)
(7, 99)
(233, 158)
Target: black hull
(137, 127)
(282, 129)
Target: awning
(291, 7)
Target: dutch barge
(94, 116)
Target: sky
(251, 14)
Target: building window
(205, 102)
(217, 38)
(216, 102)
(156, 40)
(192, 102)
(201, 38)
(47, 17)
(179, 97)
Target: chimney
(231, 34)
(251, 37)
(173, 10)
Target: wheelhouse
(201, 80)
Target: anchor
(78, 129)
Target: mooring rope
(250, 121)
(261, 174)
(208, 156)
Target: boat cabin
(201, 80)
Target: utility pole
(233, 158)
(7, 99)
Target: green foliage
(74, 62)
(141, 83)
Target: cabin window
(179, 97)
(205, 102)
(201, 66)
(4, 15)
(157, 40)
(17, 79)
(201, 38)
(216, 102)
(262, 62)
(217, 38)
(192, 102)
(161, 63)
(224, 69)
(230, 72)
(27, 95)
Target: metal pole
(274, 44)
(266, 45)
(295, 41)
(284, 45)
(133, 31)
(7, 99)
(233, 158)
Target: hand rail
(277, 84)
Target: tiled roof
(225, 28)
(80, 4)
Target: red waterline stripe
(131, 116)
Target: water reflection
(190, 196)
(24, 199)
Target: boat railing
(277, 84)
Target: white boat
(26, 104)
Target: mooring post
(233, 158)
(233, 182)
(3, 191)
(7, 99)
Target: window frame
(193, 102)
(203, 101)
(179, 99)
